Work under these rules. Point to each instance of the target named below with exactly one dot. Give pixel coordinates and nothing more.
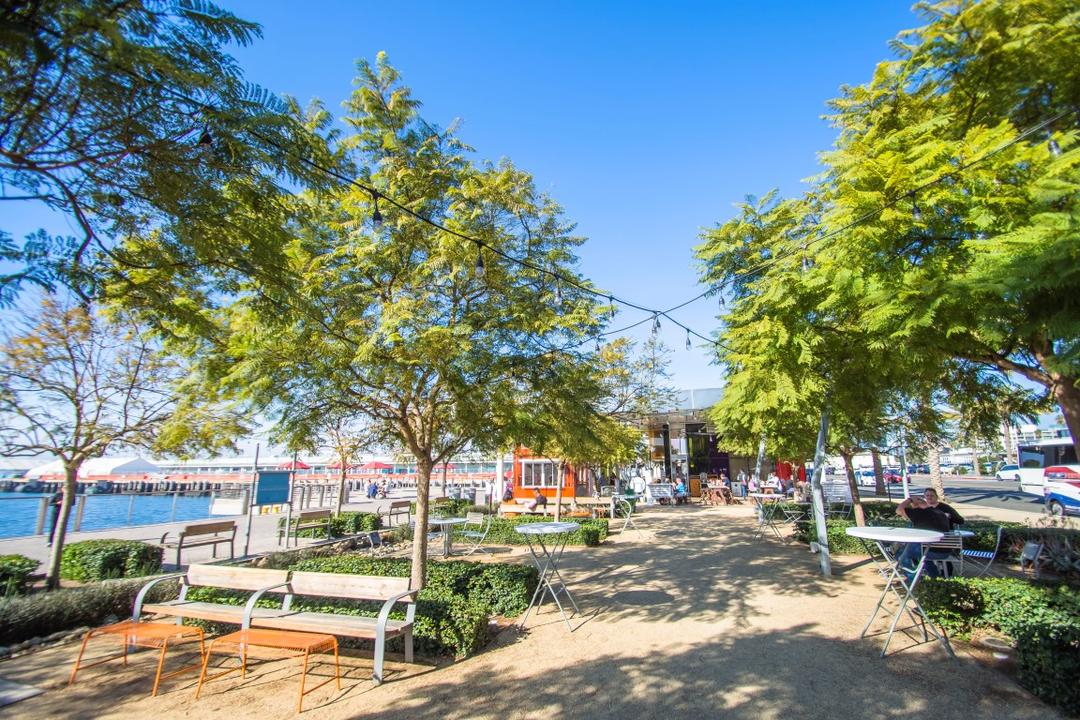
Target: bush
(1042, 620)
(15, 571)
(92, 560)
(41, 614)
(591, 533)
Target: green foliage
(591, 533)
(1042, 620)
(92, 560)
(42, 614)
(15, 571)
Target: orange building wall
(527, 493)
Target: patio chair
(626, 508)
(983, 559)
(951, 546)
(1032, 557)
(482, 524)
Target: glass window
(538, 474)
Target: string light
(689, 346)
(376, 216)
(916, 214)
(205, 138)
(558, 293)
(1055, 149)
(611, 307)
(655, 324)
(479, 260)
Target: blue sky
(646, 121)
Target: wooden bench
(226, 577)
(202, 534)
(387, 590)
(663, 493)
(397, 507)
(509, 509)
(306, 520)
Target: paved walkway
(692, 617)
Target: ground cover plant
(341, 525)
(1042, 620)
(92, 560)
(15, 571)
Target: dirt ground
(691, 616)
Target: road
(986, 491)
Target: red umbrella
(376, 465)
(293, 466)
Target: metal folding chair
(483, 527)
(983, 559)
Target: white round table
(897, 581)
(551, 537)
(447, 527)
(765, 505)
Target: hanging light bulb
(206, 139)
(721, 302)
(597, 343)
(1055, 149)
(376, 216)
(688, 345)
(655, 323)
(611, 306)
(479, 260)
(916, 214)
(558, 293)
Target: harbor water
(19, 511)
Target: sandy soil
(692, 616)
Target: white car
(1062, 490)
(1008, 472)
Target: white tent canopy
(100, 466)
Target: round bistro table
(550, 538)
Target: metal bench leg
(380, 652)
(408, 645)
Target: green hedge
(342, 524)
(452, 610)
(92, 560)
(591, 533)
(1042, 620)
(41, 614)
(15, 572)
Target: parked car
(892, 476)
(1008, 472)
(919, 469)
(1061, 489)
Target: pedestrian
(55, 502)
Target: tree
(75, 385)
(127, 118)
(963, 156)
(440, 343)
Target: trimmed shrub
(591, 533)
(41, 614)
(1043, 621)
(92, 560)
(15, 571)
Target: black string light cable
(655, 314)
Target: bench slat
(208, 528)
(208, 611)
(235, 578)
(330, 624)
(366, 587)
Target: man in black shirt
(931, 498)
(926, 513)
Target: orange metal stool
(143, 634)
(278, 644)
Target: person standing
(54, 502)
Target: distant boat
(101, 487)
(32, 486)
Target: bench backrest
(315, 515)
(211, 528)
(400, 505)
(359, 587)
(661, 490)
(235, 578)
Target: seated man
(680, 492)
(955, 518)
(539, 501)
(922, 516)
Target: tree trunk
(879, 478)
(1010, 451)
(420, 530)
(853, 484)
(760, 460)
(341, 488)
(976, 461)
(558, 491)
(1067, 394)
(934, 458)
(71, 476)
(817, 494)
